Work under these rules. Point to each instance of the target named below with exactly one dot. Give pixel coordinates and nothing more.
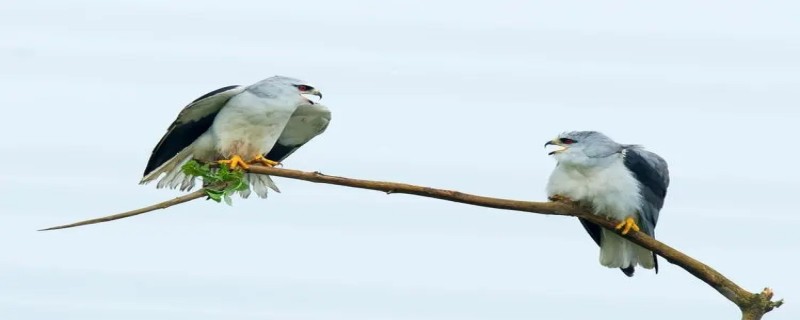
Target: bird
(620, 181)
(236, 126)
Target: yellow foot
(235, 161)
(627, 224)
(559, 198)
(267, 162)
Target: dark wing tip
(655, 261)
(628, 271)
(279, 152)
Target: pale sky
(446, 94)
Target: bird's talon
(266, 162)
(234, 162)
(627, 225)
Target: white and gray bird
(620, 181)
(237, 126)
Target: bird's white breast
(250, 125)
(612, 190)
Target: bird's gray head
(291, 85)
(583, 148)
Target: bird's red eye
(303, 87)
(567, 141)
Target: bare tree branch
(162, 205)
(752, 305)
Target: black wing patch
(279, 152)
(653, 187)
(181, 134)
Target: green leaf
(215, 195)
(231, 181)
(241, 186)
(192, 168)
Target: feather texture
(237, 120)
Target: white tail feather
(172, 168)
(260, 184)
(617, 252)
(612, 250)
(644, 256)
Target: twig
(752, 305)
(163, 205)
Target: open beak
(555, 142)
(316, 93)
(306, 95)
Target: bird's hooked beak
(317, 93)
(555, 142)
(312, 92)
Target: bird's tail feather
(260, 184)
(618, 252)
(175, 178)
(645, 257)
(613, 253)
(174, 175)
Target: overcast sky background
(446, 94)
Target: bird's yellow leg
(627, 225)
(235, 161)
(267, 162)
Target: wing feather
(192, 121)
(652, 173)
(307, 122)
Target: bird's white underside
(613, 191)
(247, 126)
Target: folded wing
(307, 122)
(195, 119)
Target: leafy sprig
(220, 183)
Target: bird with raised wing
(620, 181)
(237, 126)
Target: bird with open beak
(623, 182)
